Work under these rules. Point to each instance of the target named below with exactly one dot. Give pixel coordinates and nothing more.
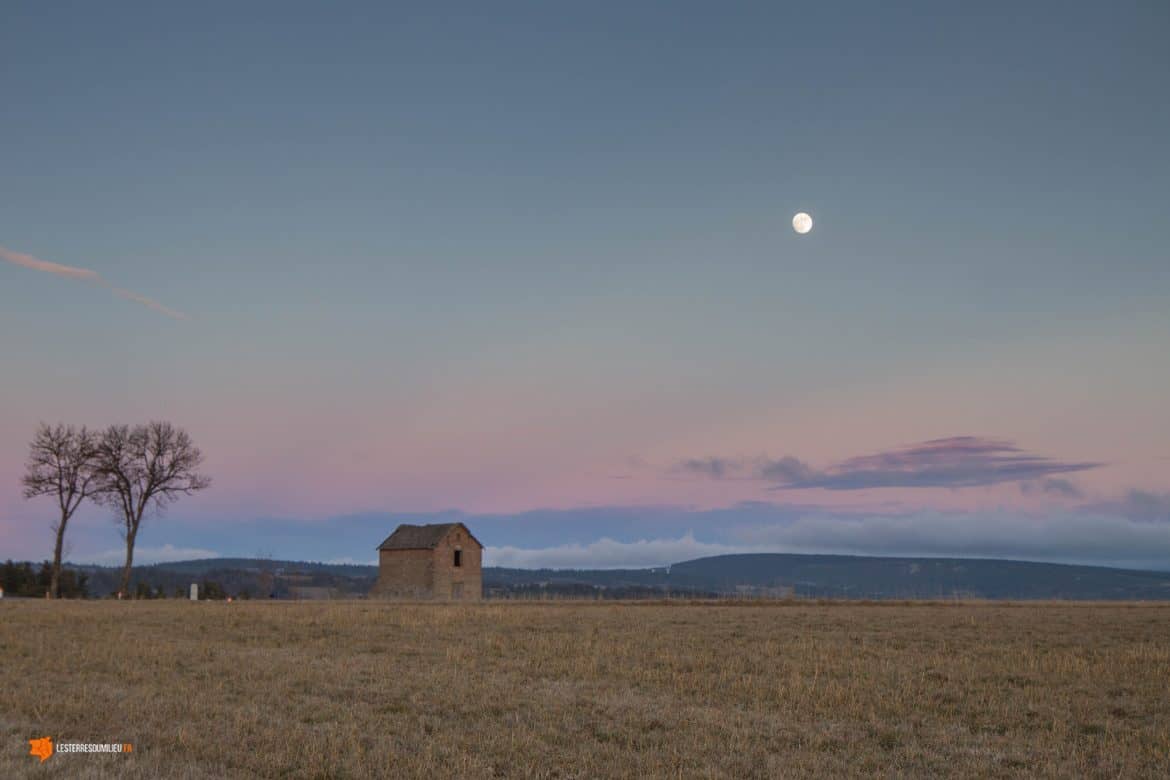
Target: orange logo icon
(41, 748)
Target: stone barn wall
(458, 582)
(407, 574)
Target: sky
(531, 266)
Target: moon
(802, 223)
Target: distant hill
(831, 576)
(204, 565)
(842, 575)
(868, 577)
(247, 577)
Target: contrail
(28, 261)
(147, 302)
(85, 274)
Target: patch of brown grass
(361, 689)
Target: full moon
(802, 223)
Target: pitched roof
(421, 537)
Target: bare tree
(61, 462)
(145, 468)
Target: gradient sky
(532, 266)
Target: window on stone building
(458, 557)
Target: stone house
(440, 561)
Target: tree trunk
(55, 582)
(125, 587)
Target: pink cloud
(28, 261)
(85, 274)
(148, 303)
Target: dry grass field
(360, 689)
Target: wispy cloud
(786, 469)
(1052, 486)
(148, 303)
(1144, 506)
(28, 261)
(955, 462)
(85, 274)
(714, 467)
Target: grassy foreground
(362, 689)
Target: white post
(194, 592)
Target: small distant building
(441, 561)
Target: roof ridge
(408, 536)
